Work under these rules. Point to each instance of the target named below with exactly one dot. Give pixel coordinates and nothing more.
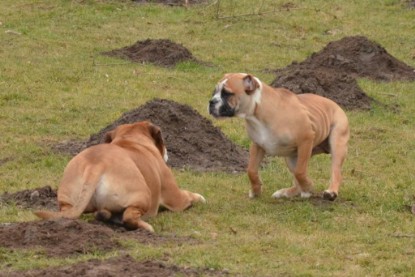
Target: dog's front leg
(256, 155)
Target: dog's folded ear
(109, 137)
(155, 133)
(250, 84)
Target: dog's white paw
(305, 194)
(201, 198)
(144, 225)
(252, 194)
(280, 193)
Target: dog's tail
(81, 200)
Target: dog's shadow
(318, 201)
(116, 221)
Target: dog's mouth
(219, 106)
(222, 111)
(226, 111)
(213, 107)
(214, 112)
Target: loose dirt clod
(332, 71)
(162, 52)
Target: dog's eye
(225, 93)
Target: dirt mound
(162, 52)
(61, 237)
(44, 197)
(360, 57)
(339, 87)
(66, 237)
(120, 266)
(332, 71)
(192, 140)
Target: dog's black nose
(213, 102)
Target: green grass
(54, 85)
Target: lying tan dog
(125, 176)
(282, 123)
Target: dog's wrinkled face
(135, 131)
(234, 95)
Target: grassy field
(55, 86)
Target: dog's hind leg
(178, 200)
(338, 147)
(296, 189)
(132, 219)
(174, 198)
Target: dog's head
(235, 95)
(136, 132)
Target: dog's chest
(273, 143)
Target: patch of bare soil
(192, 141)
(61, 237)
(124, 266)
(66, 237)
(332, 71)
(162, 52)
(71, 147)
(44, 198)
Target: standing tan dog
(125, 176)
(282, 123)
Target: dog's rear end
(77, 186)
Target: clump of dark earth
(67, 237)
(124, 265)
(332, 72)
(161, 52)
(44, 197)
(191, 139)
